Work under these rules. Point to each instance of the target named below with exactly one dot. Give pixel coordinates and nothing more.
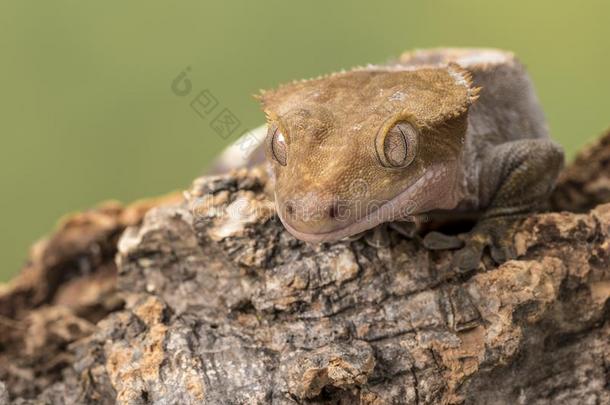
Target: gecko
(449, 130)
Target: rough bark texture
(210, 301)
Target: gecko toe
(440, 241)
(501, 254)
(469, 257)
(377, 237)
(502, 248)
(406, 229)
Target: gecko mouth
(391, 210)
(364, 224)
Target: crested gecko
(441, 130)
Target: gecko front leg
(516, 178)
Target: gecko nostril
(333, 210)
(289, 208)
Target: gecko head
(355, 149)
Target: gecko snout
(311, 214)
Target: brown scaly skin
(463, 126)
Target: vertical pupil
(395, 147)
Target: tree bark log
(209, 300)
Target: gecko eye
(397, 147)
(279, 148)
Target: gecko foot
(493, 233)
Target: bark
(209, 300)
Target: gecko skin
(457, 130)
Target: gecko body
(443, 130)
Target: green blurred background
(87, 112)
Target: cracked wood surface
(216, 303)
